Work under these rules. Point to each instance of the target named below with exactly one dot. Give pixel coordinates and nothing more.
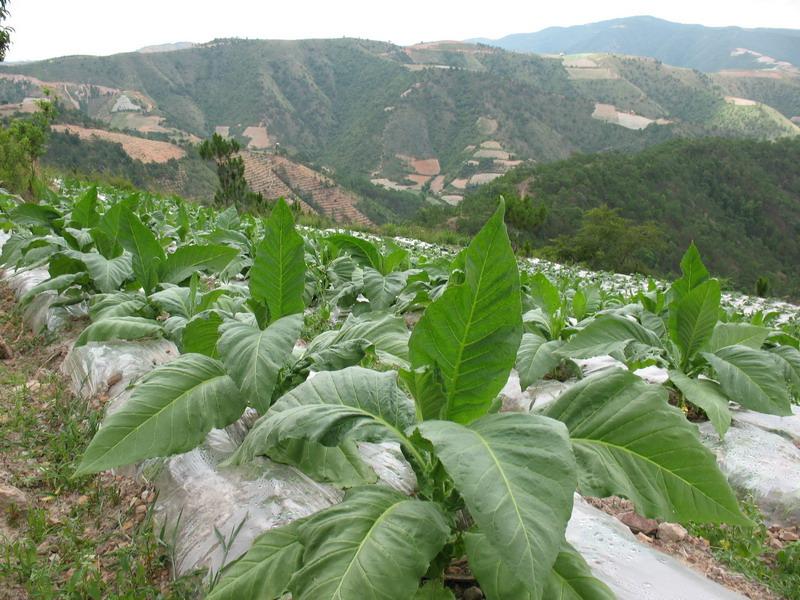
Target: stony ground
(64, 537)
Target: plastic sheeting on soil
(109, 367)
(631, 569)
(763, 464)
(198, 498)
(40, 314)
(788, 427)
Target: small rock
(472, 593)
(774, 542)
(12, 496)
(644, 538)
(638, 524)
(140, 511)
(33, 386)
(788, 536)
(82, 500)
(671, 532)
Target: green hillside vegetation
(100, 159)
(354, 105)
(694, 46)
(781, 93)
(738, 200)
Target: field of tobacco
(367, 373)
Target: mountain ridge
(708, 49)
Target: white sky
(48, 28)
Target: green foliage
(22, 141)
(746, 549)
(736, 199)
(471, 334)
(233, 189)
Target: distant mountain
(707, 49)
(429, 121)
(166, 47)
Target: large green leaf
(84, 211)
(119, 328)
(707, 395)
(169, 412)
(790, 358)
(58, 284)
(694, 272)
(108, 275)
(630, 442)
(572, 579)
(753, 378)
(187, 260)
(693, 317)
(354, 403)
(31, 214)
(472, 332)
(607, 334)
(254, 357)
(363, 251)
(382, 291)
(375, 544)
(517, 476)
(742, 334)
(536, 358)
(144, 248)
(569, 579)
(201, 334)
(278, 274)
(425, 385)
(342, 465)
(544, 294)
(264, 572)
(387, 332)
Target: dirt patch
(459, 184)
(66, 537)
(452, 199)
(481, 178)
(259, 139)
(223, 130)
(692, 551)
(740, 101)
(437, 185)
(484, 153)
(419, 180)
(137, 148)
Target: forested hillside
(739, 201)
(432, 118)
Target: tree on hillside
(233, 188)
(606, 240)
(22, 143)
(5, 32)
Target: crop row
(311, 330)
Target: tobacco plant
(497, 488)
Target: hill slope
(432, 119)
(738, 200)
(694, 46)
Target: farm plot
(296, 421)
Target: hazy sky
(48, 28)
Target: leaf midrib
(661, 469)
